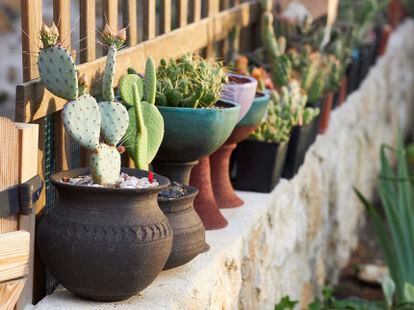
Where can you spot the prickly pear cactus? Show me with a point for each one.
(114, 122)
(105, 163)
(126, 88)
(82, 120)
(146, 124)
(56, 65)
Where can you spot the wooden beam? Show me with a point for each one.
(110, 13)
(28, 137)
(130, 21)
(14, 255)
(34, 102)
(182, 13)
(196, 10)
(165, 16)
(149, 19)
(87, 30)
(10, 292)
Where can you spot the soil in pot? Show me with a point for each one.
(105, 244)
(177, 203)
(259, 165)
(297, 148)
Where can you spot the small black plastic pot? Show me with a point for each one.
(188, 230)
(259, 165)
(368, 56)
(353, 71)
(298, 145)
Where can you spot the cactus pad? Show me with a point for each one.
(58, 72)
(155, 126)
(114, 121)
(105, 164)
(150, 81)
(82, 121)
(126, 86)
(108, 75)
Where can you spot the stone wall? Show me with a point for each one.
(296, 239)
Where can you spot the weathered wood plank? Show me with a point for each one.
(10, 292)
(130, 21)
(165, 23)
(9, 166)
(87, 30)
(14, 255)
(182, 13)
(28, 138)
(34, 102)
(149, 19)
(110, 13)
(196, 15)
(31, 19)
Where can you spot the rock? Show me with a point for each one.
(372, 274)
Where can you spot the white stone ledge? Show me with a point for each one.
(294, 240)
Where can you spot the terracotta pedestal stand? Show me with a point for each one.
(205, 203)
(220, 168)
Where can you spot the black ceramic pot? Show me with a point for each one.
(259, 165)
(298, 145)
(188, 230)
(105, 244)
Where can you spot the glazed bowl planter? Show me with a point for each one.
(105, 244)
(220, 160)
(191, 134)
(188, 230)
(297, 147)
(259, 165)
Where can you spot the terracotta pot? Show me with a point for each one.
(105, 244)
(326, 113)
(259, 165)
(205, 203)
(315, 123)
(343, 91)
(188, 230)
(395, 12)
(220, 160)
(383, 43)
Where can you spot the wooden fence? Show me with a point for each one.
(157, 28)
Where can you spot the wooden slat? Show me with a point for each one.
(212, 9)
(110, 13)
(10, 292)
(87, 30)
(130, 21)
(28, 139)
(31, 19)
(34, 102)
(165, 16)
(61, 16)
(149, 19)
(9, 166)
(182, 10)
(14, 255)
(196, 10)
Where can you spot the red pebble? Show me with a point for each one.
(150, 177)
(121, 149)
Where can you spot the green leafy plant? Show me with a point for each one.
(190, 81)
(409, 6)
(396, 231)
(286, 304)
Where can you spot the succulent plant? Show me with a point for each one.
(146, 124)
(98, 127)
(189, 81)
(286, 110)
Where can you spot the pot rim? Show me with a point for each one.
(56, 180)
(231, 105)
(192, 192)
(247, 83)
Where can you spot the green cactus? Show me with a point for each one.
(56, 65)
(190, 81)
(146, 124)
(86, 121)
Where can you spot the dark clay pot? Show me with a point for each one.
(105, 244)
(297, 147)
(259, 165)
(188, 230)
(340, 95)
(179, 172)
(326, 113)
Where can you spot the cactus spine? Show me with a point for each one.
(98, 127)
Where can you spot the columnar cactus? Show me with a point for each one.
(146, 124)
(98, 127)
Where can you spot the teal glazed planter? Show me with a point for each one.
(257, 110)
(191, 134)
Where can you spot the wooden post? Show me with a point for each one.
(130, 21)
(165, 16)
(182, 13)
(149, 19)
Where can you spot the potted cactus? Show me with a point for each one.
(197, 123)
(106, 239)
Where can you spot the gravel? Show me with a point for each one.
(124, 181)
